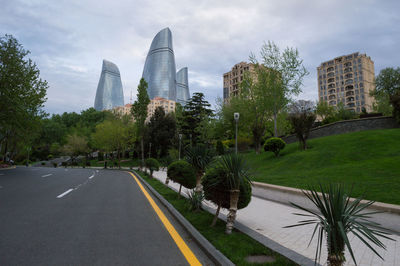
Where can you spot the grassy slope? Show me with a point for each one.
(368, 159)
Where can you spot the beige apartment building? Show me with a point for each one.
(122, 110)
(347, 79)
(167, 105)
(233, 78)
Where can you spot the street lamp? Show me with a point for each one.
(180, 138)
(236, 117)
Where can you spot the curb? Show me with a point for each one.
(8, 168)
(216, 256)
(380, 206)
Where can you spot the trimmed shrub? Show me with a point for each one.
(275, 145)
(55, 165)
(153, 165)
(216, 189)
(220, 148)
(43, 163)
(49, 157)
(64, 164)
(182, 172)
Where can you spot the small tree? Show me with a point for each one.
(302, 119)
(336, 218)
(199, 157)
(275, 145)
(182, 173)
(236, 172)
(216, 189)
(388, 86)
(153, 165)
(324, 110)
(220, 148)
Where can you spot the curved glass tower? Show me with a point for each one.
(159, 69)
(182, 86)
(109, 92)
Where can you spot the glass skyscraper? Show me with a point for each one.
(109, 92)
(182, 86)
(159, 69)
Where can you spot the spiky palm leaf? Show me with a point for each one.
(199, 157)
(337, 217)
(236, 169)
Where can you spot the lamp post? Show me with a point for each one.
(236, 117)
(180, 138)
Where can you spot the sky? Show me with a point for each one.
(69, 39)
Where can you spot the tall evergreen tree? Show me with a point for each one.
(162, 129)
(196, 111)
(139, 112)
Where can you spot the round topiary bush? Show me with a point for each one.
(182, 173)
(275, 145)
(216, 189)
(153, 165)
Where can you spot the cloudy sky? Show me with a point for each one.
(69, 39)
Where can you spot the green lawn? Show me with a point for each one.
(369, 160)
(236, 246)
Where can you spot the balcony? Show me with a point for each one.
(332, 85)
(332, 97)
(332, 102)
(350, 105)
(349, 93)
(331, 91)
(349, 87)
(349, 81)
(347, 64)
(350, 99)
(348, 69)
(330, 69)
(331, 80)
(330, 74)
(348, 76)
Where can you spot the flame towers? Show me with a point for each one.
(109, 92)
(182, 86)
(160, 70)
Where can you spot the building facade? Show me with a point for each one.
(233, 78)
(109, 92)
(182, 86)
(159, 69)
(122, 110)
(347, 79)
(167, 105)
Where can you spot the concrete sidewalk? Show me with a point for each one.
(268, 218)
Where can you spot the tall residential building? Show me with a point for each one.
(347, 79)
(122, 110)
(182, 86)
(167, 105)
(233, 78)
(159, 69)
(109, 92)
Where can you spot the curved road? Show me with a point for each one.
(57, 216)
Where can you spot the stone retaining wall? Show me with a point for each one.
(347, 126)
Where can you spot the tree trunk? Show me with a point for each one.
(230, 219)
(167, 180)
(142, 148)
(275, 125)
(335, 258)
(199, 187)
(216, 216)
(180, 188)
(119, 160)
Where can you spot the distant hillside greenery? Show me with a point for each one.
(369, 160)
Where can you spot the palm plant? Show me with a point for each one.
(337, 217)
(237, 173)
(199, 157)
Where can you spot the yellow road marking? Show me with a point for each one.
(190, 257)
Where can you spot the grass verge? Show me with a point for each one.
(236, 246)
(369, 160)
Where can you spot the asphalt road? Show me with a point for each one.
(57, 216)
